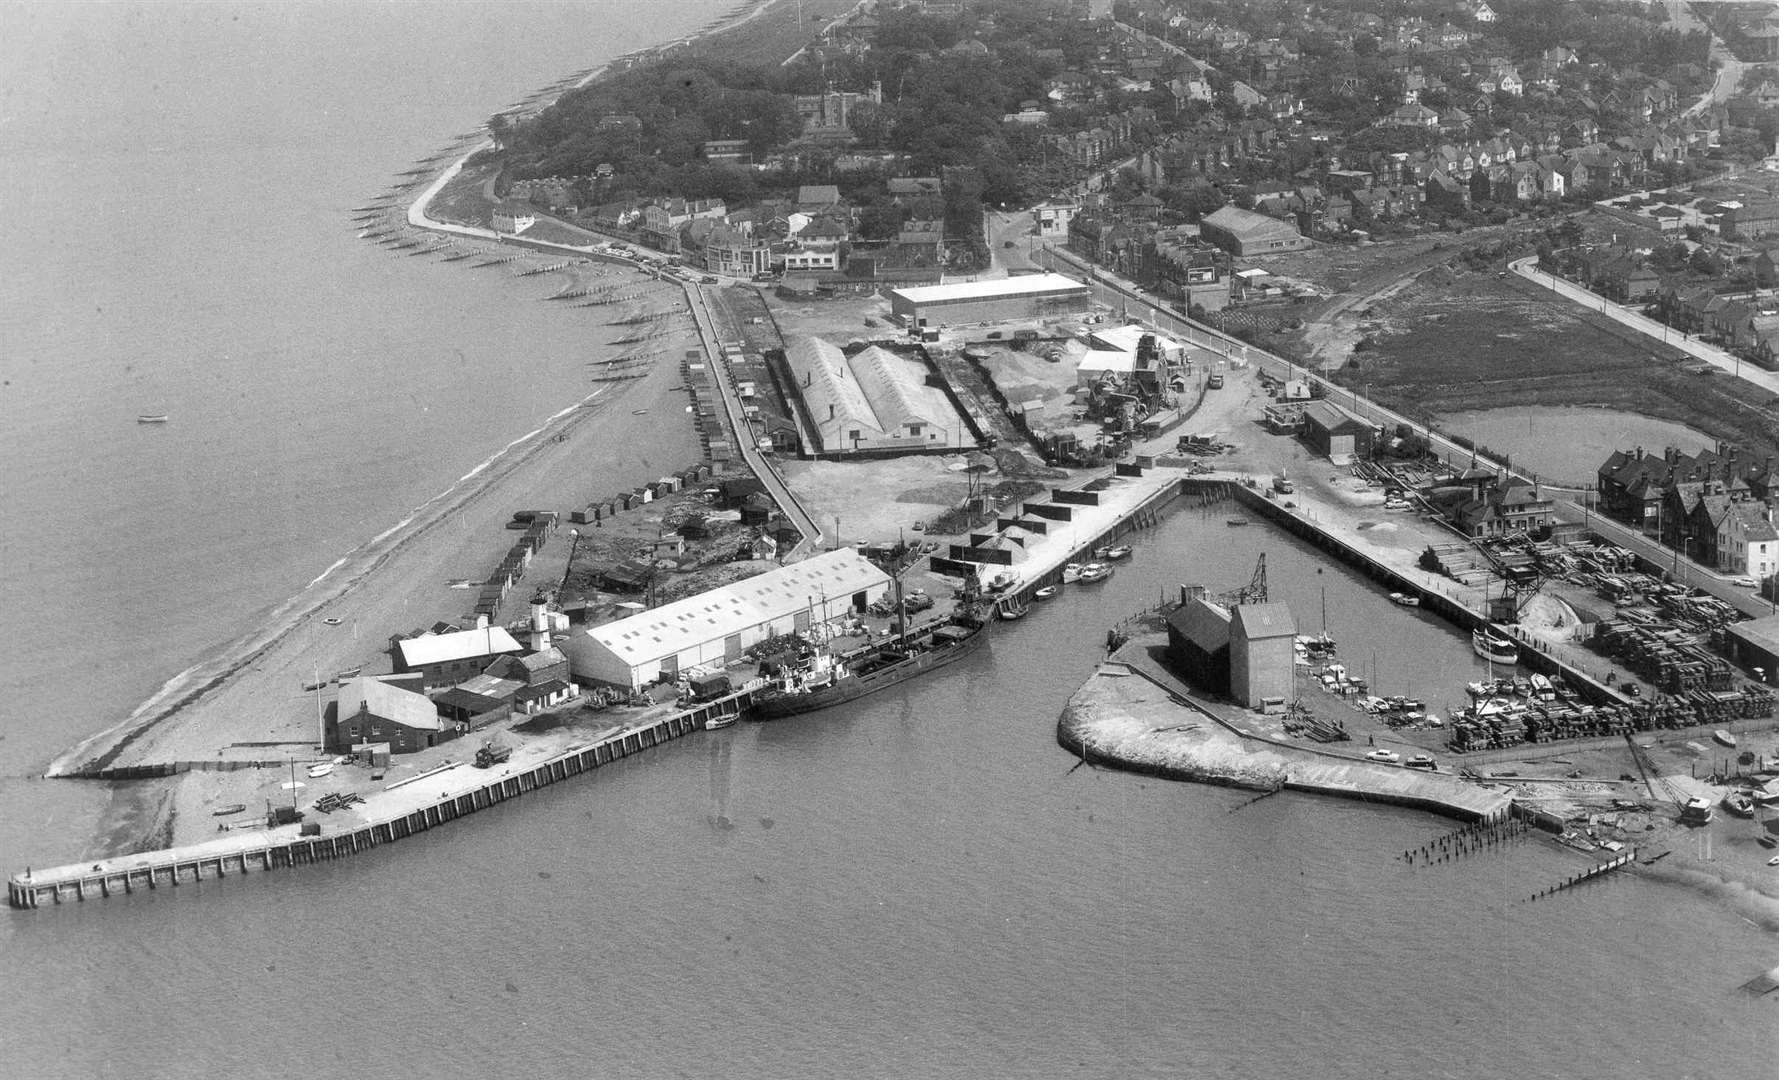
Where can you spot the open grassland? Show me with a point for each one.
(1458, 341)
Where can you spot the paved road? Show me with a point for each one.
(744, 442)
(1114, 290)
(1643, 324)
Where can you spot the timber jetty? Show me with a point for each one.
(402, 809)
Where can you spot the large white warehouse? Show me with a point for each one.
(716, 627)
(1036, 296)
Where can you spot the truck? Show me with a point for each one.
(492, 754)
(1215, 382)
(1282, 485)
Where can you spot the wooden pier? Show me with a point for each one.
(285, 846)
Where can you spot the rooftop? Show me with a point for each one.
(731, 608)
(461, 645)
(388, 702)
(992, 289)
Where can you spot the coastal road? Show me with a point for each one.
(744, 440)
(707, 332)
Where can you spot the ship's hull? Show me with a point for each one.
(1495, 648)
(854, 687)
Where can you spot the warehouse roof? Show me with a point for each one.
(461, 645)
(1203, 623)
(1249, 227)
(1762, 633)
(1126, 339)
(388, 702)
(993, 289)
(824, 379)
(874, 389)
(735, 607)
(1258, 621)
(1331, 417)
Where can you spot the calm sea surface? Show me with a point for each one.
(917, 886)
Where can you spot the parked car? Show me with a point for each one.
(1388, 757)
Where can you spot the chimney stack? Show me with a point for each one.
(540, 624)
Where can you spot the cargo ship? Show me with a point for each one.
(822, 679)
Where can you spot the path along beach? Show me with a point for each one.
(248, 699)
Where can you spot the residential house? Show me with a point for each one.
(1413, 116)
(728, 250)
(1747, 542)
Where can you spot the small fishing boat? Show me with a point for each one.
(330, 621)
(152, 418)
(1112, 553)
(1045, 593)
(225, 811)
(320, 769)
(1724, 738)
(717, 722)
(1405, 599)
(1236, 521)
(1774, 861)
(1010, 609)
(1095, 572)
(1767, 841)
(1071, 573)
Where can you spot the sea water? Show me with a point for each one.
(919, 884)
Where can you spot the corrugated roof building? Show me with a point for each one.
(447, 659)
(1243, 232)
(716, 627)
(871, 401)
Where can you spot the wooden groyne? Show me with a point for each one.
(286, 846)
(1624, 859)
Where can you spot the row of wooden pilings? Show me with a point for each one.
(177, 866)
(1471, 839)
(1625, 859)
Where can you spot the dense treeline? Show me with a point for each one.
(942, 107)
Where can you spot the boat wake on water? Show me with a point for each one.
(99, 751)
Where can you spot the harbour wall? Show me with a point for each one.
(1146, 514)
(222, 858)
(1532, 652)
(1303, 768)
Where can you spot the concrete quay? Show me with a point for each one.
(1131, 714)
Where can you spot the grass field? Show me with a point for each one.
(1459, 341)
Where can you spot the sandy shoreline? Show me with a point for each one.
(246, 702)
